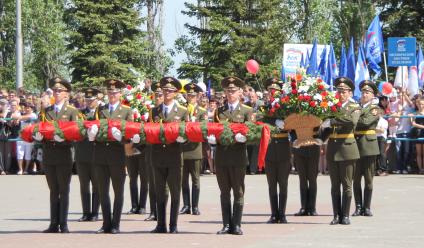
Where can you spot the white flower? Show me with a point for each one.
(146, 115)
(303, 88)
(274, 102)
(130, 97)
(317, 97)
(148, 102)
(330, 103)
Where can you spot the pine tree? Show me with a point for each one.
(105, 40)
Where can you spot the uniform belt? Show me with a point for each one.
(280, 135)
(342, 136)
(365, 132)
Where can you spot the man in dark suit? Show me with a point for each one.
(57, 156)
(109, 158)
(231, 160)
(84, 160)
(167, 159)
(192, 154)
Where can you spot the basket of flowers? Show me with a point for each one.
(303, 102)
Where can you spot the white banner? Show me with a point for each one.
(292, 56)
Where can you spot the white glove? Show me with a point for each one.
(57, 138)
(211, 139)
(135, 139)
(181, 139)
(240, 138)
(38, 136)
(279, 123)
(326, 123)
(116, 133)
(92, 132)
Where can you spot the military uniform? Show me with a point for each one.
(137, 167)
(342, 153)
(306, 159)
(109, 164)
(57, 162)
(167, 161)
(193, 155)
(278, 166)
(84, 151)
(366, 139)
(231, 162)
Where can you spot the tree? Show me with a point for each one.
(230, 33)
(105, 40)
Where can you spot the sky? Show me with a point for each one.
(173, 27)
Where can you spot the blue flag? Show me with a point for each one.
(283, 74)
(343, 63)
(313, 61)
(374, 45)
(323, 62)
(332, 71)
(307, 59)
(208, 91)
(351, 64)
(420, 67)
(361, 72)
(302, 62)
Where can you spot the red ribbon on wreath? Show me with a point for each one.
(89, 124)
(70, 130)
(193, 132)
(215, 129)
(111, 124)
(263, 144)
(172, 130)
(46, 129)
(239, 128)
(27, 133)
(131, 129)
(152, 131)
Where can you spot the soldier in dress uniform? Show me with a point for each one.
(167, 159)
(368, 147)
(57, 156)
(231, 160)
(109, 158)
(193, 154)
(277, 163)
(84, 151)
(342, 150)
(158, 95)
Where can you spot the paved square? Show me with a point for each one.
(398, 206)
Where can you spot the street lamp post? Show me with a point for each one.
(19, 49)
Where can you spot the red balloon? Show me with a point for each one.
(252, 66)
(387, 88)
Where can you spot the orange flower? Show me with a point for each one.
(298, 77)
(324, 104)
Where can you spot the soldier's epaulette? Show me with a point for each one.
(181, 107)
(245, 106)
(71, 106)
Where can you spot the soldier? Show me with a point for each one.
(158, 94)
(84, 160)
(368, 147)
(137, 167)
(277, 162)
(167, 159)
(109, 158)
(193, 154)
(231, 160)
(57, 156)
(342, 151)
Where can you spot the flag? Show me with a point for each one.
(374, 45)
(283, 74)
(350, 63)
(412, 87)
(401, 78)
(302, 62)
(343, 64)
(208, 91)
(307, 59)
(332, 71)
(323, 62)
(420, 67)
(361, 72)
(312, 67)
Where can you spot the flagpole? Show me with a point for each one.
(385, 66)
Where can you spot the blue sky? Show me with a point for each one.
(173, 27)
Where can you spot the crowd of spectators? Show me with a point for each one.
(400, 118)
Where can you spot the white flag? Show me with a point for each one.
(399, 81)
(413, 87)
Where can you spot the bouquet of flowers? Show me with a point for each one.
(138, 101)
(303, 102)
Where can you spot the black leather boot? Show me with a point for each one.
(357, 193)
(303, 200)
(94, 207)
(195, 193)
(86, 207)
(186, 200)
(236, 220)
(367, 202)
(337, 209)
(161, 219)
(311, 202)
(54, 218)
(173, 220)
(345, 209)
(63, 213)
(226, 217)
(274, 209)
(134, 200)
(282, 208)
